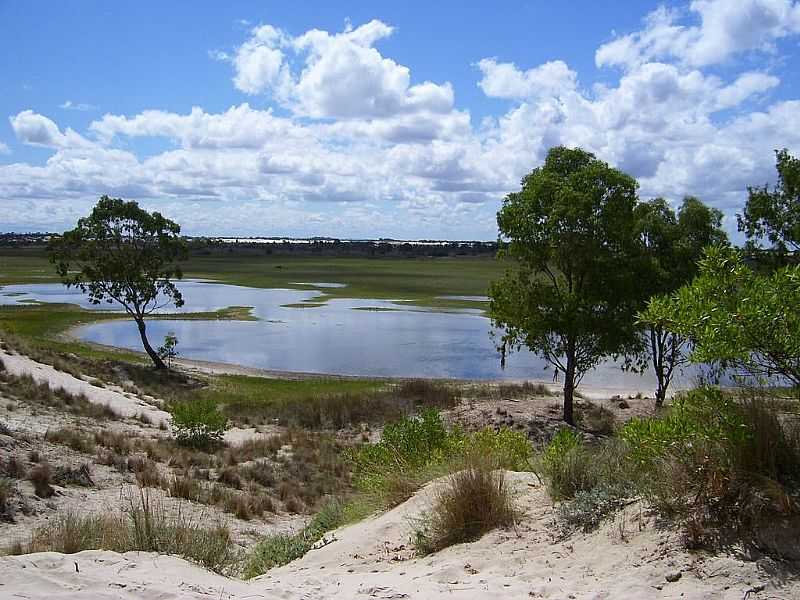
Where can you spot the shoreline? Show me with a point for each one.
(208, 367)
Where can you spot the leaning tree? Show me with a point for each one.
(570, 294)
(122, 253)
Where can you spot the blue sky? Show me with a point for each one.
(375, 119)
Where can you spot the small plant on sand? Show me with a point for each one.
(471, 502)
(168, 350)
(198, 423)
(7, 489)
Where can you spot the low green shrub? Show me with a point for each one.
(280, 549)
(590, 507)
(198, 423)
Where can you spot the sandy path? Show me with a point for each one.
(626, 558)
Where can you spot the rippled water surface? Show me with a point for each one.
(395, 340)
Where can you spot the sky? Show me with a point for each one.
(382, 119)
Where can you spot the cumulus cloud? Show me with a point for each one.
(334, 75)
(726, 28)
(353, 145)
(505, 80)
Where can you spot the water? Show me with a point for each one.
(396, 340)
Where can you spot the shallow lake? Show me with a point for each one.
(340, 337)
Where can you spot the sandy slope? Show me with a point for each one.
(627, 558)
(125, 405)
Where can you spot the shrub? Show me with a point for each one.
(589, 508)
(598, 419)
(7, 489)
(41, 476)
(198, 423)
(280, 549)
(508, 449)
(718, 463)
(472, 502)
(13, 468)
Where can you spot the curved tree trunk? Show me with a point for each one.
(157, 362)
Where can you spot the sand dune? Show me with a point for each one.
(628, 557)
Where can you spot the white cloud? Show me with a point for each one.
(81, 106)
(337, 76)
(4, 149)
(727, 27)
(363, 149)
(505, 80)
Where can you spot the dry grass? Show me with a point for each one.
(42, 476)
(25, 388)
(7, 490)
(473, 502)
(143, 526)
(597, 419)
(341, 410)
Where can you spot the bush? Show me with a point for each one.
(7, 489)
(471, 503)
(198, 423)
(590, 507)
(718, 463)
(281, 549)
(41, 476)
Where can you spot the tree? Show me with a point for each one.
(570, 296)
(737, 317)
(774, 214)
(121, 253)
(672, 246)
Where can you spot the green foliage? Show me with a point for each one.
(198, 423)
(774, 215)
(737, 317)
(281, 549)
(507, 448)
(570, 297)
(121, 253)
(415, 450)
(590, 507)
(704, 415)
(168, 351)
(672, 246)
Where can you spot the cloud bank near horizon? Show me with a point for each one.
(349, 143)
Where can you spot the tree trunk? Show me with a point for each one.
(657, 343)
(157, 362)
(569, 385)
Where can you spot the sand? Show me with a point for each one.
(628, 557)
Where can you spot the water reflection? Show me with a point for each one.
(332, 338)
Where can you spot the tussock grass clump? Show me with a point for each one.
(472, 502)
(41, 476)
(597, 419)
(7, 490)
(144, 526)
(504, 391)
(72, 438)
(13, 467)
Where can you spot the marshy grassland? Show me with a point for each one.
(421, 281)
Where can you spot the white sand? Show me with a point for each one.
(122, 404)
(627, 558)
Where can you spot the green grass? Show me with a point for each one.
(233, 388)
(418, 280)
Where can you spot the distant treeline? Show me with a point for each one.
(355, 248)
(202, 246)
